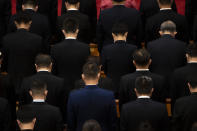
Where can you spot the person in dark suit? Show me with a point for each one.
(104, 82)
(70, 54)
(26, 119)
(166, 13)
(144, 109)
(167, 53)
(5, 12)
(5, 115)
(40, 23)
(194, 29)
(91, 102)
(149, 8)
(91, 125)
(119, 13)
(72, 7)
(117, 56)
(142, 61)
(48, 117)
(179, 80)
(20, 49)
(185, 108)
(55, 85)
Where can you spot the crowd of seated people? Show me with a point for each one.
(50, 80)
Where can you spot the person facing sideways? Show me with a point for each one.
(91, 102)
(104, 82)
(72, 7)
(91, 125)
(70, 55)
(48, 117)
(142, 61)
(144, 109)
(26, 119)
(18, 55)
(166, 13)
(167, 53)
(185, 108)
(119, 14)
(117, 56)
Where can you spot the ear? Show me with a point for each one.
(36, 9)
(134, 63)
(34, 121)
(63, 31)
(152, 90)
(161, 33)
(175, 33)
(150, 61)
(15, 23)
(113, 35)
(30, 23)
(46, 92)
(23, 7)
(126, 34)
(19, 123)
(82, 76)
(78, 5)
(99, 75)
(135, 90)
(30, 92)
(77, 31)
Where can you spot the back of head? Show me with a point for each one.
(165, 2)
(43, 60)
(168, 26)
(145, 126)
(91, 125)
(72, 2)
(30, 3)
(141, 57)
(25, 114)
(91, 71)
(70, 25)
(94, 59)
(192, 50)
(38, 88)
(23, 18)
(192, 80)
(120, 28)
(144, 85)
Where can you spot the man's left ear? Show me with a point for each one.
(36, 9)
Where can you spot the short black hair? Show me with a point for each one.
(94, 59)
(43, 60)
(141, 57)
(144, 84)
(120, 28)
(23, 17)
(165, 2)
(33, 3)
(192, 80)
(38, 87)
(72, 2)
(91, 70)
(192, 50)
(91, 125)
(70, 25)
(168, 26)
(25, 114)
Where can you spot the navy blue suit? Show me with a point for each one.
(91, 102)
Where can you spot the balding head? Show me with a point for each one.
(168, 27)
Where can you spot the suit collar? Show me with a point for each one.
(44, 72)
(143, 99)
(167, 36)
(119, 6)
(91, 87)
(22, 30)
(120, 42)
(39, 103)
(29, 11)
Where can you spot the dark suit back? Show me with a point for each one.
(185, 113)
(20, 49)
(119, 13)
(153, 25)
(127, 85)
(48, 118)
(84, 25)
(117, 61)
(69, 57)
(167, 54)
(144, 110)
(91, 103)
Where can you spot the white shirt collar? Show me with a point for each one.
(39, 100)
(72, 9)
(192, 62)
(72, 38)
(43, 70)
(143, 97)
(165, 8)
(142, 69)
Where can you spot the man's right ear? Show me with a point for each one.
(30, 92)
(19, 123)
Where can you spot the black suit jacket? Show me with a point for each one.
(185, 113)
(179, 80)
(84, 25)
(119, 13)
(39, 26)
(144, 110)
(5, 117)
(20, 49)
(167, 54)
(5, 12)
(153, 25)
(48, 118)
(69, 57)
(127, 85)
(149, 8)
(117, 61)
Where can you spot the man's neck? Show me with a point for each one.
(23, 27)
